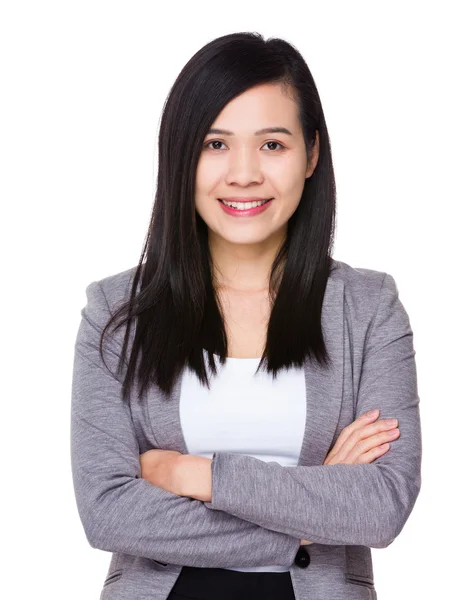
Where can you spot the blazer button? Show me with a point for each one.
(302, 559)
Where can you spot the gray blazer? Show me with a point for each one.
(260, 510)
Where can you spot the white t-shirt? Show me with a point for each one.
(233, 415)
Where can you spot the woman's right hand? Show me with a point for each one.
(362, 442)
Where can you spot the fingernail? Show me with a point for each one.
(372, 413)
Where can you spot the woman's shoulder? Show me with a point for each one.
(356, 276)
(116, 287)
(361, 284)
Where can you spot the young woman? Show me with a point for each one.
(223, 442)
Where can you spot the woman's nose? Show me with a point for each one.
(243, 168)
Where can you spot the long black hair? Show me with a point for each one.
(178, 316)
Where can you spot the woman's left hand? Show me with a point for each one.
(159, 468)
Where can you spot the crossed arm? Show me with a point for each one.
(181, 474)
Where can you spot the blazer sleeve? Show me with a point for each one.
(360, 504)
(119, 510)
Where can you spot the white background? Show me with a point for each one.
(83, 85)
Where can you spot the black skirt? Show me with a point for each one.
(196, 583)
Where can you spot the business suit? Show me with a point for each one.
(260, 510)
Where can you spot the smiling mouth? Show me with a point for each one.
(249, 202)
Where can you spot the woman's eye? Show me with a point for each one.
(213, 142)
(209, 145)
(277, 144)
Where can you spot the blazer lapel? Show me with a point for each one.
(165, 419)
(324, 386)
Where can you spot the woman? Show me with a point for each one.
(222, 439)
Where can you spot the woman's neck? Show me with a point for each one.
(242, 271)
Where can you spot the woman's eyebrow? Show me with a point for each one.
(259, 132)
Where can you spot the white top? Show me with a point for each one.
(233, 415)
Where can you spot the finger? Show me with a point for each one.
(365, 438)
(373, 454)
(360, 429)
(366, 444)
(364, 458)
(347, 431)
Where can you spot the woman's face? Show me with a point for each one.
(242, 162)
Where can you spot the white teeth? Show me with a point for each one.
(244, 205)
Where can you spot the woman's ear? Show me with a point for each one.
(312, 163)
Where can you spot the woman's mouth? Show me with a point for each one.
(245, 209)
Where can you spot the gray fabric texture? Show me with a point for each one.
(259, 510)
